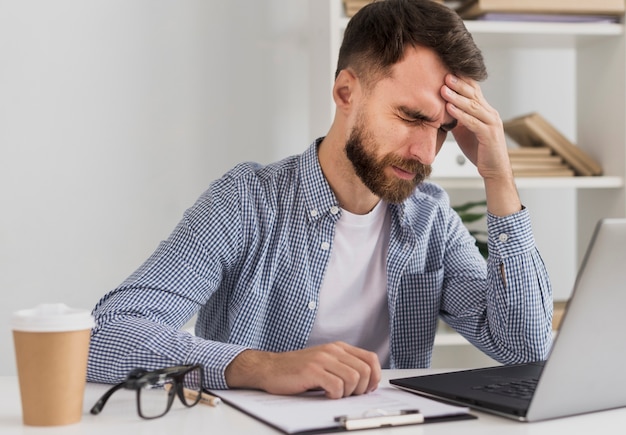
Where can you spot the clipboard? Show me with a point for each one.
(313, 413)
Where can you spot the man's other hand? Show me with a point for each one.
(338, 368)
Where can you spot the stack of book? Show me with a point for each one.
(538, 162)
(540, 10)
(353, 6)
(544, 151)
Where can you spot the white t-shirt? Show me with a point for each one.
(353, 298)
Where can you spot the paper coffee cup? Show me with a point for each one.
(51, 348)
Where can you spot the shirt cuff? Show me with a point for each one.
(510, 235)
(215, 357)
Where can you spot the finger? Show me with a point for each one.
(372, 366)
(465, 98)
(358, 369)
(468, 88)
(466, 121)
(355, 375)
(335, 377)
(462, 108)
(344, 374)
(343, 381)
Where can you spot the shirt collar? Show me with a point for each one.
(319, 198)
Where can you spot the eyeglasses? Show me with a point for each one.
(156, 389)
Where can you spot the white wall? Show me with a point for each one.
(115, 115)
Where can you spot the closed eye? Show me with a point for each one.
(417, 118)
(413, 121)
(412, 116)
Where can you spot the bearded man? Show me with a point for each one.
(319, 270)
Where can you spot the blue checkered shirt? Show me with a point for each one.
(249, 259)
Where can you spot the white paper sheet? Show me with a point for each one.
(313, 410)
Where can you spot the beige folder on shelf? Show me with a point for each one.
(476, 8)
(352, 6)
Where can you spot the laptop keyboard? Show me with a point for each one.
(519, 388)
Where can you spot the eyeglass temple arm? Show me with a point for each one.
(97, 408)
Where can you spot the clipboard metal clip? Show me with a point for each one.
(380, 418)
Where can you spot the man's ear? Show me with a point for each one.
(345, 89)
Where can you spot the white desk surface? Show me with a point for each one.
(119, 417)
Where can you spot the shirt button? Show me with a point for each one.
(312, 305)
(503, 237)
(313, 213)
(325, 246)
(334, 209)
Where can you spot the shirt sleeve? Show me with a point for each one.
(139, 323)
(508, 316)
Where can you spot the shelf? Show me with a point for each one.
(540, 35)
(533, 34)
(604, 182)
(542, 28)
(529, 27)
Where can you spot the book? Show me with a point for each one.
(540, 165)
(476, 8)
(551, 161)
(543, 172)
(532, 130)
(352, 6)
(548, 18)
(545, 158)
(529, 152)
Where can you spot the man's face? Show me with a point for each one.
(372, 170)
(399, 125)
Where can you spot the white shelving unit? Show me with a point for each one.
(574, 74)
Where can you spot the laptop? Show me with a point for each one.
(586, 368)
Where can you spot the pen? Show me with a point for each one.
(205, 398)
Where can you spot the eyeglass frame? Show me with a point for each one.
(139, 378)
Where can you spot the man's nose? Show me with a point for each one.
(423, 145)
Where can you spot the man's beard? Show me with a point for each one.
(372, 172)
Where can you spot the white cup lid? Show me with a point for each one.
(51, 318)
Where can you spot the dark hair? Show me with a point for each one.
(379, 33)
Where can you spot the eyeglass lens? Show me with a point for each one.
(155, 398)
